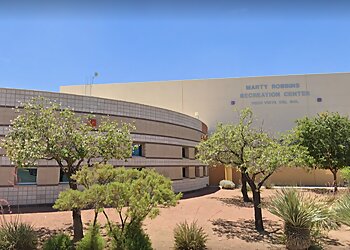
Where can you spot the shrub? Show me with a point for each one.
(269, 185)
(17, 235)
(342, 209)
(345, 174)
(133, 237)
(59, 242)
(226, 184)
(189, 237)
(92, 239)
(302, 215)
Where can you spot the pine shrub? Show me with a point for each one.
(133, 237)
(92, 240)
(59, 242)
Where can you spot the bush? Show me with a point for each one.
(132, 238)
(269, 185)
(303, 216)
(17, 235)
(345, 174)
(226, 184)
(59, 242)
(189, 237)
(92, 240)
(342, 209)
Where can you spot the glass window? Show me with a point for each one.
(63, 177)
(26, 175)
(137, 150)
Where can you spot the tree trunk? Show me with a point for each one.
(244, 188)
(77, 221)
(259, 226)
(335, 182)
(77, 225)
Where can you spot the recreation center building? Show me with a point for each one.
(171, 118)
(277, 101)
(165, 141)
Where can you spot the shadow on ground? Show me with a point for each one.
(244, 229)
(30, 209)
(237, 201)
(201, 192)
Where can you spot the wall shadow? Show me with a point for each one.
(201, 192)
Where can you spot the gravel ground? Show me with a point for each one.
(225, 218)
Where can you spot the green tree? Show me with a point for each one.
(227, 146)
(134, 194)
(254, 152)
(45, 130)
(327, 138)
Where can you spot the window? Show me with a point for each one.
(185, 152)
(63, 177)
(137, 150)
(185, 172)
(205, 171)
(26, 175)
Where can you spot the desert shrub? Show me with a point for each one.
(189, 237)
(303, 216)
(92, 239)
(269, 185)
(345, 174)
(132, 237)
(226, 184)
(59, 242)
(342, 209)
(17, 235)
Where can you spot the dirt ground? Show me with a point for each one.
(228, 222)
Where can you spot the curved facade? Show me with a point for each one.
(277, 101)
(166, 140)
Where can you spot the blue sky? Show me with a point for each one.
(45, 46)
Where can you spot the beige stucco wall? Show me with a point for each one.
(7, 176)
(162, 151)
(174, 173)
(191, 154)
(192, 172)
(211, 99)
(48, 176)
(300, 176)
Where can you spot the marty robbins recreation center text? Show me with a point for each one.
(287, 93)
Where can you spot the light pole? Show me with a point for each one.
(92, 81)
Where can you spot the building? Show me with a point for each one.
(166, 142)
(277, 101)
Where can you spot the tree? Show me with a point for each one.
(227, 146)
(45, 130)
(264, 157)
(134, 194)
(327, 138)
(254, 152)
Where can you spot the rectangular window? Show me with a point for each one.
(63, 177)
(185, 172)
(137, 150)
(26, 175)
(185, 152)
(205, 171)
